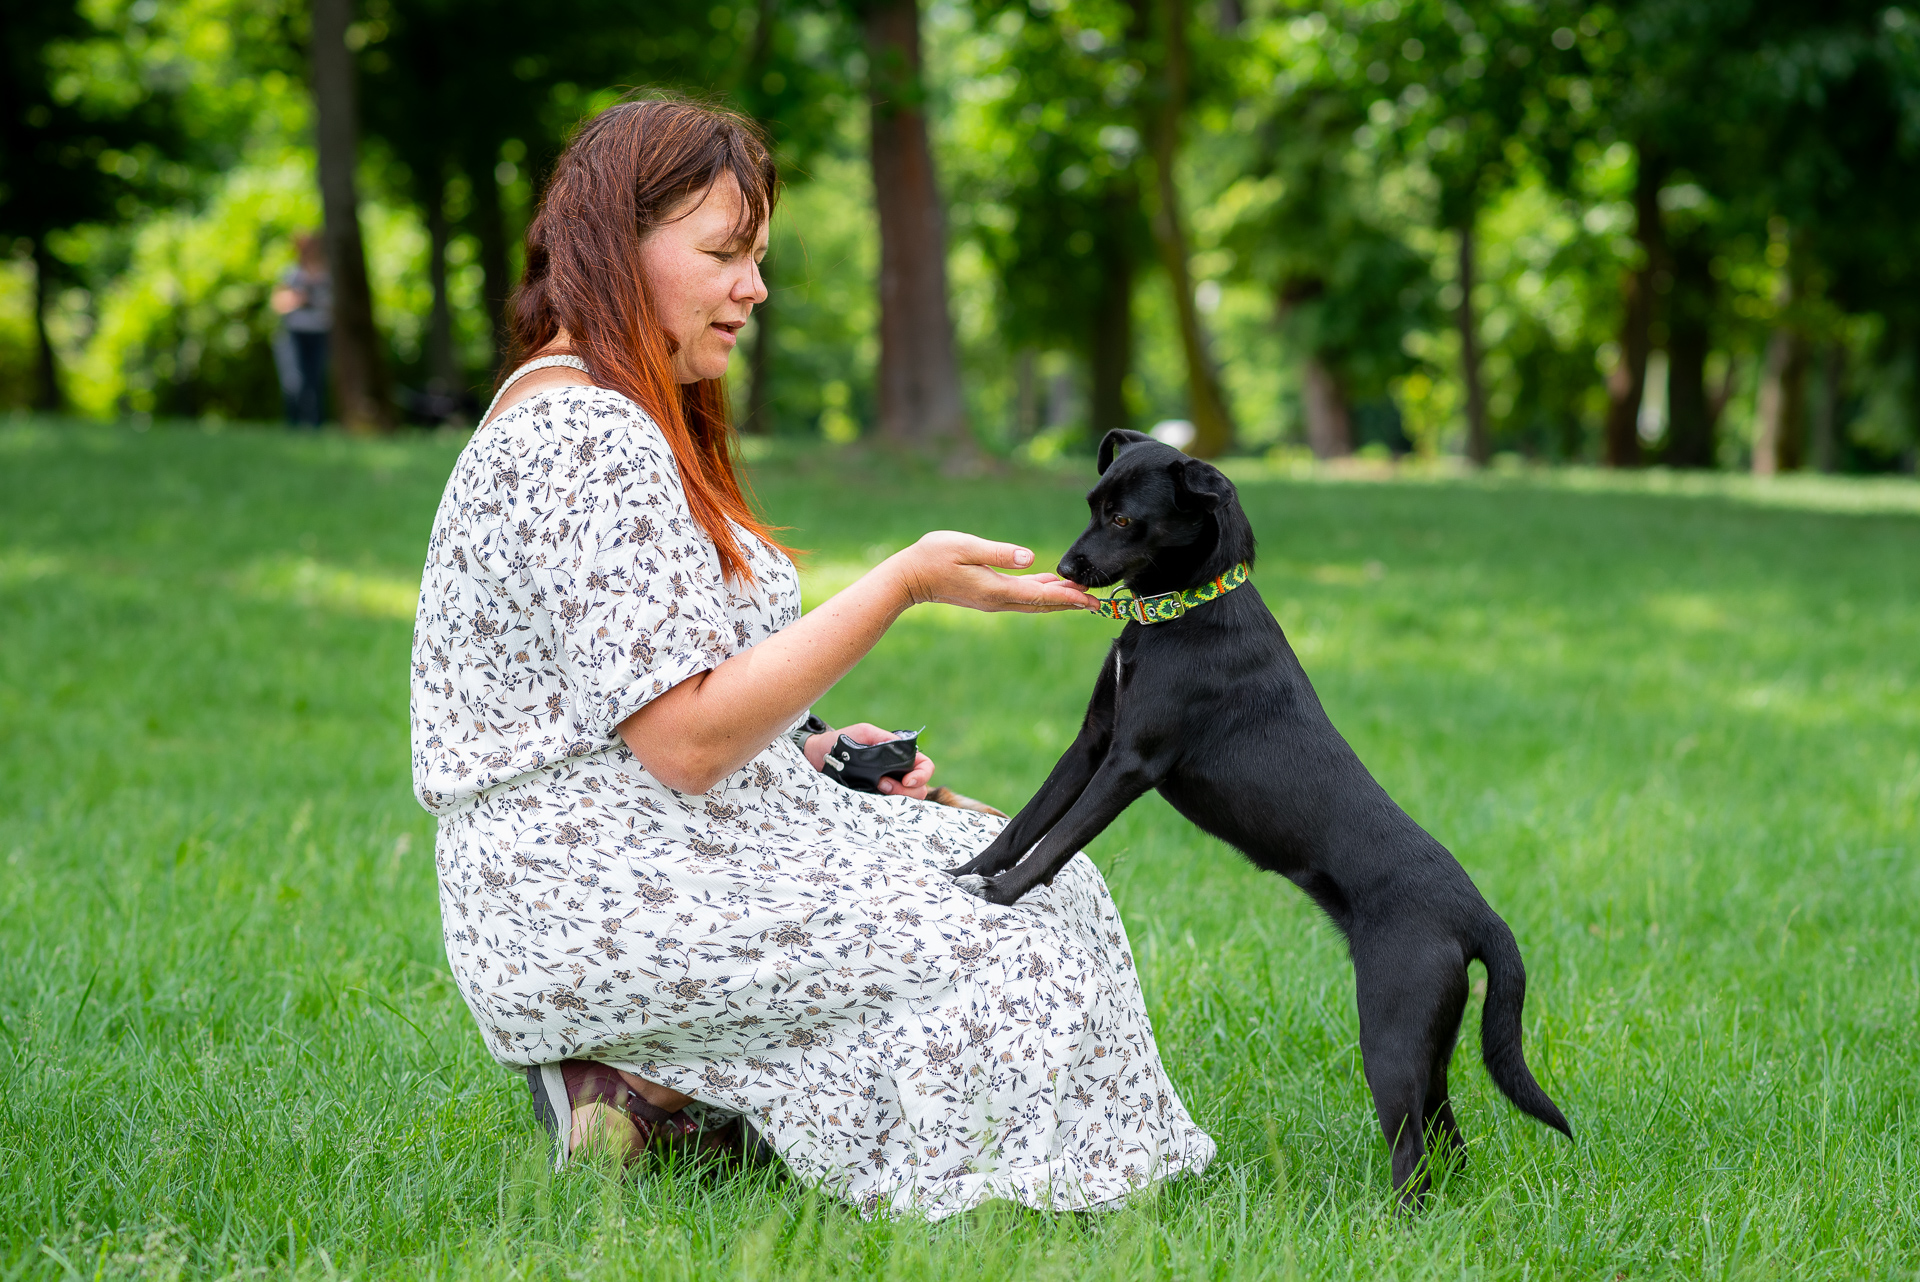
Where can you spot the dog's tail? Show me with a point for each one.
(1500, 1023)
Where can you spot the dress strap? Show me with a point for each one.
(545, 362)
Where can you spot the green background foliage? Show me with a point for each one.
(1331, 154)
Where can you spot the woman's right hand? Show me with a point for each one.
(960, 569)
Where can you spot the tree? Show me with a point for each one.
(920, 400)
(364, 400)
(443, 61)
(414, 67)
(1807, 118)
(1346, 287)
(446, 94)
(1467, 85)
(71, 152)
(1083, 155)
(1060, 154)
(1627, 382)
(1831, 89)
(761, 86)
(1691, 414)
(1650, 64)
(787, 85)
(1162, 29)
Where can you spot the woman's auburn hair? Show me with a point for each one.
(626, 173)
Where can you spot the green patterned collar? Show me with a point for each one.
(1170, 605)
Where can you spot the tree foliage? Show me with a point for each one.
(85, 137)
(1646, 230)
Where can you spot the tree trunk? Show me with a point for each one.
(1063, 401)
(1776, 436)
(758, 420)
(1329, 425)
(362, 393)
(920, 401)
(46, 383)
(1826, 421)
(1112, 320)
(748, 78)
(489, 224)
(1690, 415)
(1723, 395)
(1026, 394)
(1207, 404)
(443, 371)
(1479, 439)
(1629, 377)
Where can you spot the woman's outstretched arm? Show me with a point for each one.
(714, 722)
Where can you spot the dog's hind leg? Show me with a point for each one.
(1063, 787)
(1409, 1015)
(1396, 1076)
(1443, 1132)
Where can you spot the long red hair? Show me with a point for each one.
(625, 173)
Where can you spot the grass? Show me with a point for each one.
(1675, 737)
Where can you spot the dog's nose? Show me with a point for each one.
(1070, 567)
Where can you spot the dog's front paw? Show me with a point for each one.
(998, 891)
(974, 884)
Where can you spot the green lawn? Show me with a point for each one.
(1675, 738)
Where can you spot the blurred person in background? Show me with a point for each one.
(303, 297)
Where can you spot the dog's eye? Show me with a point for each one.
(1123, 521)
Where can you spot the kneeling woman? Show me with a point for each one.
(653, 900)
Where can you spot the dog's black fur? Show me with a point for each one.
(1214, 710)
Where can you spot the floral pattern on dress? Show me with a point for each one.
(780, 947)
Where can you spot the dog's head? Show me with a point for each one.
(1151, 508)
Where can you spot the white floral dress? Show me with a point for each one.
(781, 947)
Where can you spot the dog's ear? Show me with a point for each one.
(1199, 485)
(1115, 441)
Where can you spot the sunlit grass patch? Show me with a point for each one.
(305, 581)
(19, 565)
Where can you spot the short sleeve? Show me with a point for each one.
(610, 551)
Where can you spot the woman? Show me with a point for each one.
(653, 900)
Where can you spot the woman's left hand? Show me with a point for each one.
(914, 785)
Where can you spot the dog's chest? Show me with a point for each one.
(1119, 681)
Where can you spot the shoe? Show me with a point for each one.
(615, 1114)
(725, 1135)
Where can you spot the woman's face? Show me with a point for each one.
(704, 282)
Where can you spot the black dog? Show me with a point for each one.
(1212, 708)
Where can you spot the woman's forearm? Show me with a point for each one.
(714, 722)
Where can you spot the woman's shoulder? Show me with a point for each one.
(574, 425)
(570, 408)
(574, 453)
